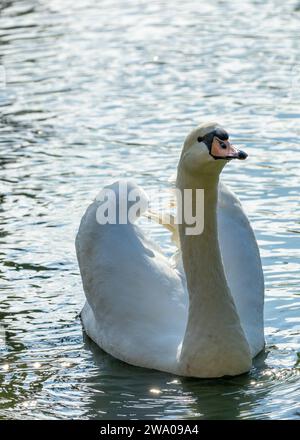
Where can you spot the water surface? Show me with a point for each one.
(91, 91)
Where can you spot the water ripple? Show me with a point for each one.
(80, 101)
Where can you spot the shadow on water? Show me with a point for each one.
(163, 394)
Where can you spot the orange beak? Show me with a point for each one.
(225, 150)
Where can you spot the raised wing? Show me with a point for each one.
(133, 308)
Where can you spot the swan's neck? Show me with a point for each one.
(214, 343)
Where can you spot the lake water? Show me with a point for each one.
(92, 91)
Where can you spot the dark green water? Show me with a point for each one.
(94, 90)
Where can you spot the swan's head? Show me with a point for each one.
(208, 148)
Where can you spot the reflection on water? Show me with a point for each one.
(113, 94)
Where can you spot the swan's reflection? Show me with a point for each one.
(118, 390)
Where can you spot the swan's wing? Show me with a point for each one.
(242, 265)
(133, 308)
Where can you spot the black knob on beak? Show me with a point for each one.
(242, 155)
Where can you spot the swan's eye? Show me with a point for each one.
(200, 139)
(223, 145)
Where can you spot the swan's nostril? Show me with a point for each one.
(242, 155)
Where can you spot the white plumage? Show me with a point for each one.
(143, 311)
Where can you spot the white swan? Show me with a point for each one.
(206, 321)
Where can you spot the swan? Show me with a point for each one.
(201, 318)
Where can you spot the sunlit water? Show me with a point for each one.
(97, 90)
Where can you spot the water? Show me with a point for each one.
(103, 90)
